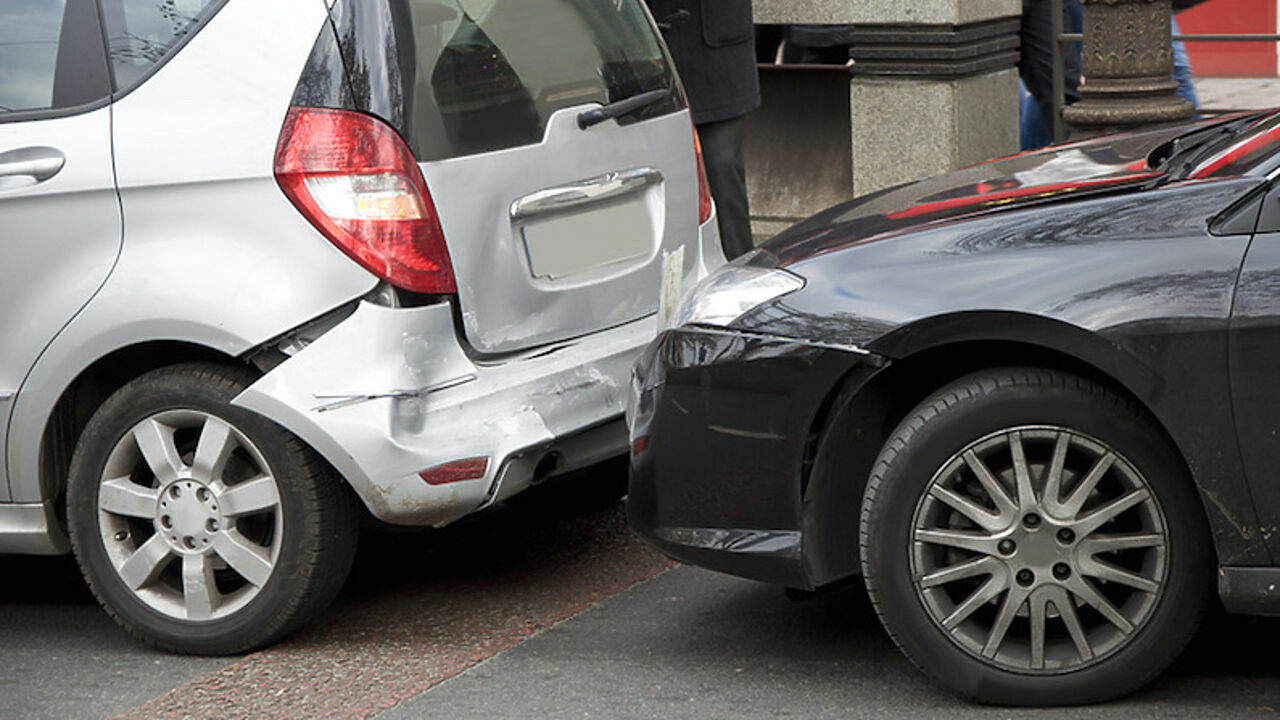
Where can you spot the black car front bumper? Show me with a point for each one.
(723, 427)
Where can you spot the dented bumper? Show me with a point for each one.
(721, 425)
(389, 393)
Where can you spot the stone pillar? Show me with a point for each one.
(933, 87)
(1128, 68)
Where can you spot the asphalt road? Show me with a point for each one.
(546, 613)
(694, 644)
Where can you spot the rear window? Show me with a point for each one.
(489, 73)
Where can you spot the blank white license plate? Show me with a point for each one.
(589, 239)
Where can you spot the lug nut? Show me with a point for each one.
(202, 495)
(1066, 537)
(175, 491)
(212, 525)
(1007, 547)
(1062, 571)
(166, 522)
(1031, 521)
(1026, 577)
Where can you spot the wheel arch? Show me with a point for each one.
(923, 358)
(90, 388)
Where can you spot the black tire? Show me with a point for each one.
(907, 530)
(300, 539)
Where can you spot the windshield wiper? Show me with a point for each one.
(1187, 150)
(619, 108)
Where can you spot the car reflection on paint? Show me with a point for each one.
(1032, 403)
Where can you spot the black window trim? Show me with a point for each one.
(29, 115)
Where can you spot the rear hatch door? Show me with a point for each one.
(555, 230)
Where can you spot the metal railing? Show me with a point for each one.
(1064, 38)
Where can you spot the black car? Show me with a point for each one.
(1034, 403)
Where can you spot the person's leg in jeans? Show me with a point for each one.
(727, 178)
(1182, 70)
(1032, 132)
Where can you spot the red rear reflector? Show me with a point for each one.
(471, 469)
(639, 445)
(357, 182)
(704, 189)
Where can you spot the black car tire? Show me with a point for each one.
(894, 537)
(296, 542)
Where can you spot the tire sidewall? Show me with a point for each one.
(939, 429)
(266, 614)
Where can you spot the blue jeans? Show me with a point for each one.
(1182, 70)
(1035, 133)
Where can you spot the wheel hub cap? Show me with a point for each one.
(1039, 549)
(187, 516)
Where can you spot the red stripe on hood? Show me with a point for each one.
(985, 201)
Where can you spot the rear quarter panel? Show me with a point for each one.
(213, 253)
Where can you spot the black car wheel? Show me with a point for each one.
(202, 527)
(1030, 538)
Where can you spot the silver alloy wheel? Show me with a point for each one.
(189, 513)
(1039, 550)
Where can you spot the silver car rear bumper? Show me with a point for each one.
(389, 393)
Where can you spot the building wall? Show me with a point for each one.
(1237, 59)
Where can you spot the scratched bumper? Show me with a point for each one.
(722, 422)
(389, 392)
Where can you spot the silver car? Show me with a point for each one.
(271, 264)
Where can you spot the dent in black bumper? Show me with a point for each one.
(721, 424)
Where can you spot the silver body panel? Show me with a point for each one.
(51, 269)
(31, 529)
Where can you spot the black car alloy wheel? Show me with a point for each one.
(1030, 538)
(200, 526)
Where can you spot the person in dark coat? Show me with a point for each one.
(712, 43)
(1035, 68)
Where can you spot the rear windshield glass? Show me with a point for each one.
(489, 73)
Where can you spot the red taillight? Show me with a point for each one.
(704, 190)
(354, 178)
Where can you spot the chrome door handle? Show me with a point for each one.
(39, 163)
(584, 192)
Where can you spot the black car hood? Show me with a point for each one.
(1115, 163)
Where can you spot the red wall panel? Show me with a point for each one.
(1237, 59)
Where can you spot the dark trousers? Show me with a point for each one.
(1036, 65)
(727, 177)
